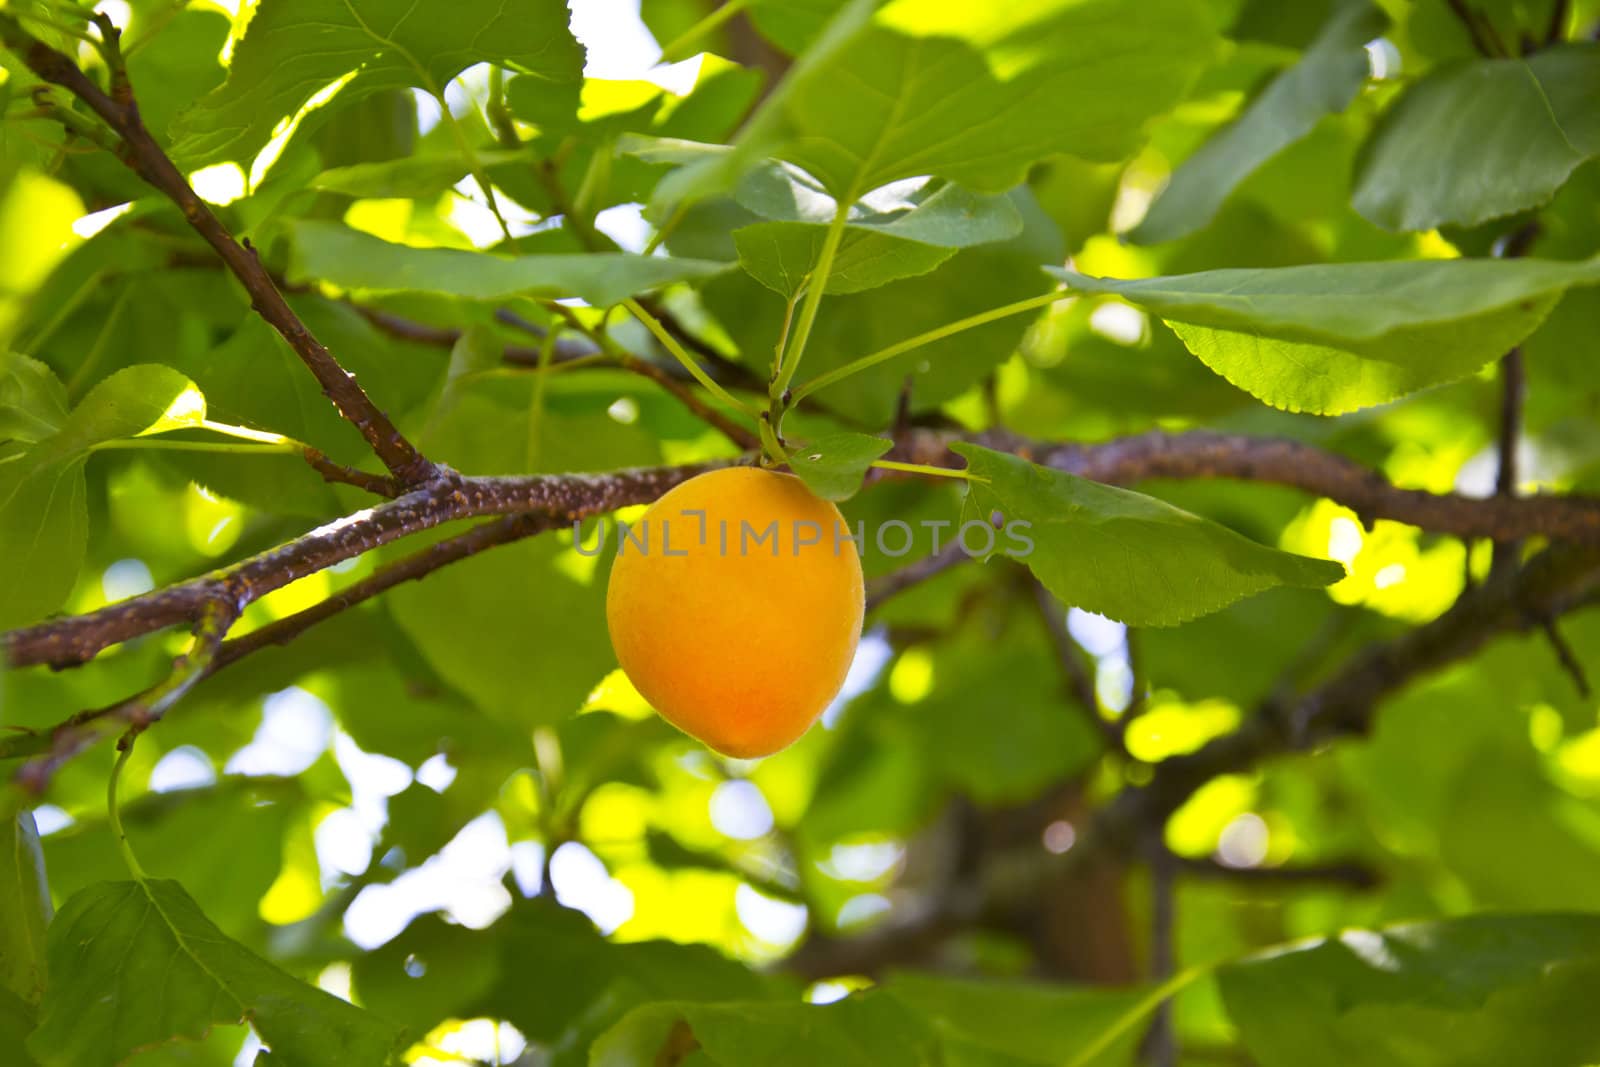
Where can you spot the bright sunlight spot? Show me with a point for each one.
(220, 183)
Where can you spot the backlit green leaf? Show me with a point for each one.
(294, 49)
(892, 238)
(352, 259)
(1330, 338)
(43, 510)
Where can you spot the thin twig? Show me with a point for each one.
(1161, 1040)
(383, 485)
(1513, 393)
(1348, 873)
(1483, 36)
(882, 589)
(141, 154)
(1566, 656)
(1069, 659)
(138, 713)
(211, 654)
(1556, 32)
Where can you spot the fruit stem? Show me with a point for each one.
(922, 468)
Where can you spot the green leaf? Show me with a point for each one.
(1030, 1021)
(253, 814)
(43, 508)
(33, 402)
(1470, 992)
(1477, 140)
(1120, 553)
(869, 1030)
(137, 964)
(16, 1023)
(1325, 80)
(833, 466)
(978, 93)
(407, 177)
(24, 908)
(1331, 338)
(974, 280)
(878, 246)
(351, 259)
(518, 632)
(294, 49)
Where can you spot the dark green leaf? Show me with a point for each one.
(871, 1030)
(293, 49)
(408, 176)
(832, 467)
(1120, 553)
(136, 964)
(351, 259)
(1471, 992)
(1325, 80)
(16, 1023)
(1330, 338)
(1477, 140)
(879, 246)
(1031, 1021)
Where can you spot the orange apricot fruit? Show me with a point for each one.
(735, 606)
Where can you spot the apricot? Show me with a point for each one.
(735, 606)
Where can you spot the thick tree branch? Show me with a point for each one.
(70, 641)
(56, 746)
(140, 152)
(1556, 581)
(1198, 454)
(1279, 461)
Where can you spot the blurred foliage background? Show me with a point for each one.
(446, 807)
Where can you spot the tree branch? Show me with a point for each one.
(1560, 11)
(1079, 681)
(1161, 1040)
(1478, 28)
(1348, 873)
(1203, 454)
(71, 641)
(896, 582)
(1197, 454)
(60, 744)
(141, 154)
(1554, 582)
